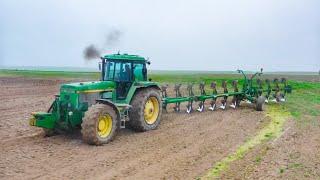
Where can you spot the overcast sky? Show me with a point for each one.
(187, 35)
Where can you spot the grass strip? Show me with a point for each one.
(278, 115)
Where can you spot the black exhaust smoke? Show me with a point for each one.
(91, 52)
(112, 39)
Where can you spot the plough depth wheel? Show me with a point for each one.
(260, 103)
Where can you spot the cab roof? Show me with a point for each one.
(124, 57)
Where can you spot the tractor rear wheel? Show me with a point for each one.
(146, 110)
(260, 103)
(99, 125)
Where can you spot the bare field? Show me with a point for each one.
(183, 147)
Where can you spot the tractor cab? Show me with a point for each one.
(124, 70)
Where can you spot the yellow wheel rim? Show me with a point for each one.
(151, 110)
(104, 125)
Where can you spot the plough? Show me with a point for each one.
(251, 93)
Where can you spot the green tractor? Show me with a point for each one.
(123, 97)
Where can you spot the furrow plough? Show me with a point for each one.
(252, 92)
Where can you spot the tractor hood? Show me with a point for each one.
(94, 86)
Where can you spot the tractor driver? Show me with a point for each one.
(126, 73)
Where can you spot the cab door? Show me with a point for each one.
(123, 78)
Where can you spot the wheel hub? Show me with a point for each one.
(151, 110)
(104, 125)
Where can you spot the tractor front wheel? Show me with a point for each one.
(146, 110)
(100, 124)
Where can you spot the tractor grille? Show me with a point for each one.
(90, 98)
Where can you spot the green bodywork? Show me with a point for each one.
(69, 107)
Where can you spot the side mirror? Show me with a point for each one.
(147, 61)
(100, 66)
(150, 79)
(261, 70)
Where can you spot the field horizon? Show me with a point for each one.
(153, 71)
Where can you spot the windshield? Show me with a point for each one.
(117, 71)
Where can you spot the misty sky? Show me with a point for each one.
(188, 35)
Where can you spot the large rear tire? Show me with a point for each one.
(260, 103)
(146, 110)
(100, 124)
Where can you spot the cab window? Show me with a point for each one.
(139, 72)
(118, 71)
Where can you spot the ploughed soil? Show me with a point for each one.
(294, 155)
(182, 147)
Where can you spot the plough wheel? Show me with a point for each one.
(238, 102)
(260, 103)
(146, 110)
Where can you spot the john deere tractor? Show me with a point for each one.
(123, 97)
